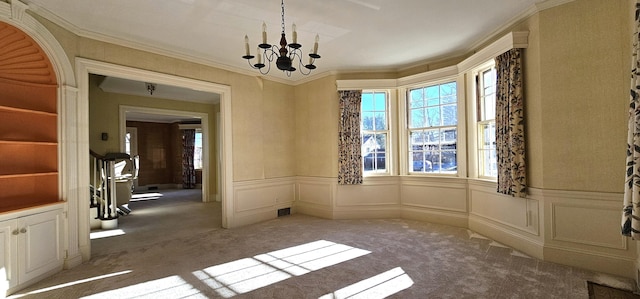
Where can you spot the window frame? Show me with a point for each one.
(481, 121)
(389, 157)
(459, 126)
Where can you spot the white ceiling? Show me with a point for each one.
(160, 91)
(355, 35)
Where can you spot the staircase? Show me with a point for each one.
(111, 186)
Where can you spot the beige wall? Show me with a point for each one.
(576, 84)
(584, 80)
(254, 101)
(316, 114)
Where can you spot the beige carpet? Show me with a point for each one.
(174, 248)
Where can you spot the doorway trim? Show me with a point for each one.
(85, 67)
(206, 137)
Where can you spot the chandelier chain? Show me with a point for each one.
(282, 4)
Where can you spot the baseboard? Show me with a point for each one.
(363, 212)
(252, 218)
(518, 240)
(312, 210)
(452, 218)
(72, 261)
(591, 260)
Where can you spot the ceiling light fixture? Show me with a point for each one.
(151, 88)
(285, 56)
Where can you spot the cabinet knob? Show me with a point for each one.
(23, 230)
(15, 232)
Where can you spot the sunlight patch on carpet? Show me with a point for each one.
(168, 287)
(68, 284)
(248, 274)
(145, 196)
(106, 234)
(379, 286)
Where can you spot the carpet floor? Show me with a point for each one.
(173, 247)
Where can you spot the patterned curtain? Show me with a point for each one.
(510, 145)
(631, 210)
(188, 171)
(350, 143)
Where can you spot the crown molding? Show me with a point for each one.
(509, 41)
(43, 12)
(147, 48)
(550, 4)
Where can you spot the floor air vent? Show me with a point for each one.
(284, 212)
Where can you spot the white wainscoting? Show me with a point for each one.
(574, 228)
(315, 196)
(377, 197)
(509, 220)
(583, 229)
(259, 200)
(438, 200)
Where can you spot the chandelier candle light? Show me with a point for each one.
(285, 56)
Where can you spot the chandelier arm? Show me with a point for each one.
(284, 56)
(267, 71)
(296, 54)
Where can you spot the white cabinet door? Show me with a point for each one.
(39, 244)
(8, 262)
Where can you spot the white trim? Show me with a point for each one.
(190, 126)
(550, 4)
(509, 41)
(84, 67)
(443, 74)
(366, 84)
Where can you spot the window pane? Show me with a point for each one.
(417, 140)
(197, 151)
(449, 115)
(380, 101)
(367, 102)
(448, 89)
(449, 99)
(433, 116)
(433, 92)
(367, 121)
(374, 148)
(380, 121)
(417, 118)
(415, 98)
(490, 107)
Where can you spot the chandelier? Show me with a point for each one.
(286, 56)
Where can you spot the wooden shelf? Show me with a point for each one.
(28, 145)
(28, 189)
(37, 97)
(17, 203)
(22, 110)
(16, 142)
(27, 175)
(17, 125)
